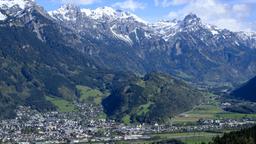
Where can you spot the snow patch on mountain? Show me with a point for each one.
(2, 17)
(110, 14)
(147, 35)
(6, 4)
(213, 29)
(207, 57)
(100, 12)
(15, 7)
(122, 37)
(67, 12)
(165, 28)
(247, 35)
(191, 23)
(136, 35)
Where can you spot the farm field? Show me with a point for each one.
(191, 137)
(188, 138)
(209, 110)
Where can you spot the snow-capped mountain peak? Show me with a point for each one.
(191, 23)
(13, 7)
(70, 12)
(67, 12)
(99, 12)
(168, 28)
(213, 29)
(111, 14)
(165, 24)
(6, 4)
(191, 19)
(123, 24)
(247, 35)
(105, 11)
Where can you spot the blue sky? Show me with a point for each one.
(232, 14)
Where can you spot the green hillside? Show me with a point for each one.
(245, 136)
(155, 98)
(89, 95)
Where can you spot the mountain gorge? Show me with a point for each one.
(50, 53)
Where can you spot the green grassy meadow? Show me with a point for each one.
(90, 95)
(191, 137)
(188, 138)
(62, 105)
(208, 110)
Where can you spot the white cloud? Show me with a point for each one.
(220, 14)
(80, 2)
(242, 10)
(157, 2)
(129, 5)
(172, 15)
(167, 3)
(240, 7)
(179, 2)
(246, 1)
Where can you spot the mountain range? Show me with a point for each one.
(188, 48)
(50, 53)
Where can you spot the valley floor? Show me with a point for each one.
(88, 124)
(212, 110)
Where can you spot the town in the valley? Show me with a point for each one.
(87, 125)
